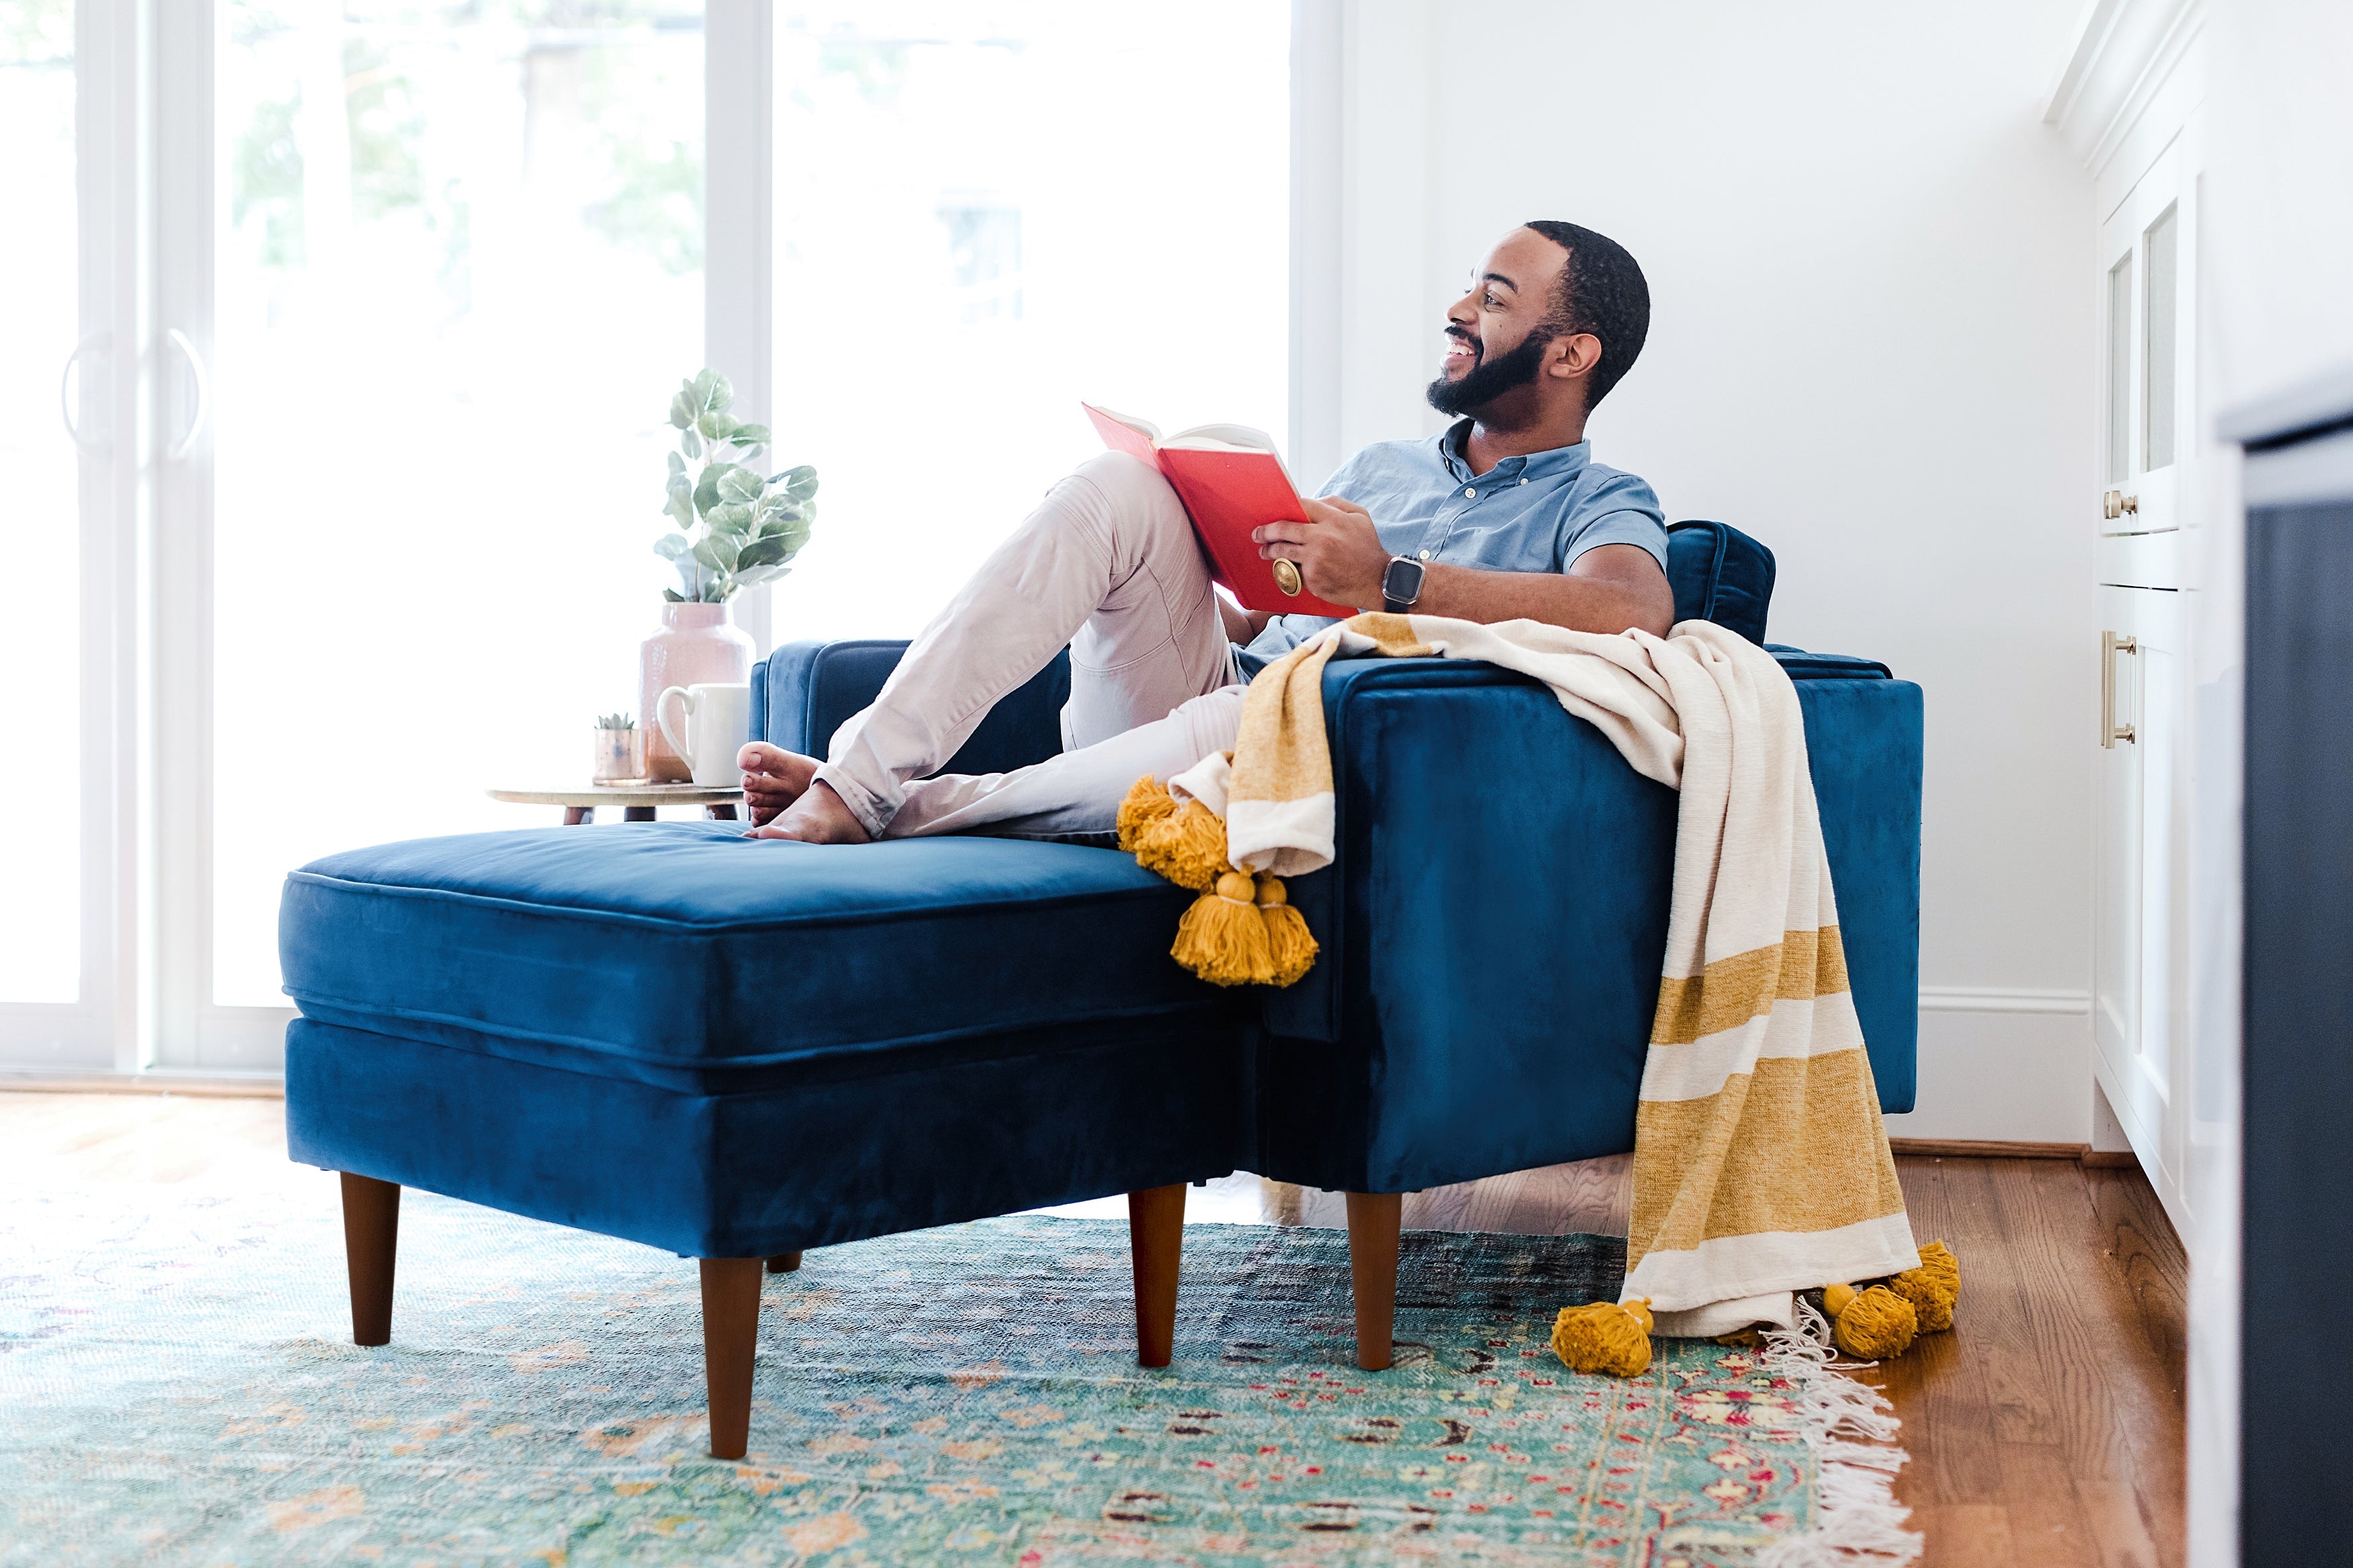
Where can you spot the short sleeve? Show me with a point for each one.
(1622, 510)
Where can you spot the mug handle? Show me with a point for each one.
(661, 717)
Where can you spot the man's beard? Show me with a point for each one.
(1491, 378)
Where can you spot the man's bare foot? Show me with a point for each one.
(818, 817)
(773, 778)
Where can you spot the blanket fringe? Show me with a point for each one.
(1851, 1429)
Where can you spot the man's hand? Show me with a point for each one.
(1338, 552)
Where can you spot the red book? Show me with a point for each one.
(1231, 480)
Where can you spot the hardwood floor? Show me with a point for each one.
(2045, 1431)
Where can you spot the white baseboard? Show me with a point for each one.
(2012, 1066)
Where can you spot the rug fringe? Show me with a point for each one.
(1852, 1430)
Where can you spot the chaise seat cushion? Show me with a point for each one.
(685, 955)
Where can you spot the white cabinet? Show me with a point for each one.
(2141, 511)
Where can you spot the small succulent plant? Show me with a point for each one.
(735, 528)
(615, 721)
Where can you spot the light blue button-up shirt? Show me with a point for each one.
(1533, 513)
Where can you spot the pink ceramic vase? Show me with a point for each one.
(697, 643)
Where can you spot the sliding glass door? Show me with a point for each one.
(63, 389)
(457, 273)
(334, 384)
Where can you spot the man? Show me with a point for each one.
(1504, 517)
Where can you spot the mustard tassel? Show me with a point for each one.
(1290, 944)
(1933, 1288)
(1605, 1337)
(1187, 847)
(1872, 1324)
(1222, 938)
(1148, 801)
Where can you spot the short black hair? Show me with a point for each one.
(1602, 291)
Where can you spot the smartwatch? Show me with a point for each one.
(1402, 583)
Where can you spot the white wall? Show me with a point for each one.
(1872, 346)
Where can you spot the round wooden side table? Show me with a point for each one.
(636, 801)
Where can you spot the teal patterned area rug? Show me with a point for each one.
(179, 1387)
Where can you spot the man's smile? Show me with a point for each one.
(1462, 351)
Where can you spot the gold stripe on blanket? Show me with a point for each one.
(1788, 1129)
(1731, 991)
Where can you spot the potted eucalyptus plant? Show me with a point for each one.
(736, 528)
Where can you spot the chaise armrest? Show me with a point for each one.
(1495, 919)
(804, 691)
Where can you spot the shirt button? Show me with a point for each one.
(1524, 481)
(1469, 490)
(1425, 555)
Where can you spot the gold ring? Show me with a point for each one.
(1286, 576)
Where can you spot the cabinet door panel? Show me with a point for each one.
(2138, 887)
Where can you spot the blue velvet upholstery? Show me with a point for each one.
(1492, 955)
(827, 1150)
(687, 955)
(1720, 575)
(730, 1049)
(805, 690)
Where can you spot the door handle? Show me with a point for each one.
(179, 339)
(2116, 504)
(67, 394)
(2111, 731)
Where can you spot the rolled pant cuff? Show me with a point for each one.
(873, 813)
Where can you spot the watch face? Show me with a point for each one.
(1402, 581)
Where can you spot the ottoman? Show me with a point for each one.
(739, 1049)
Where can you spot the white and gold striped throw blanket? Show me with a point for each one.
(1761, 1167)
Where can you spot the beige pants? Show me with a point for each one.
(1106, 565)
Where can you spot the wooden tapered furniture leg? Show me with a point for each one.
(784, 1263)
(1155, 1240)
(1373, 1222)
(731, 1332)
(371, 1237)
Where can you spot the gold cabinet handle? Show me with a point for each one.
(2111, 731)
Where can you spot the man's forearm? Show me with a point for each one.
(1580, 604)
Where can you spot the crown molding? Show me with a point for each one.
(2125, 49)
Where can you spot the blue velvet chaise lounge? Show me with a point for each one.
(742, 1050)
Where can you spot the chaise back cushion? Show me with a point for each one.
(805, 690)
(1720, 575)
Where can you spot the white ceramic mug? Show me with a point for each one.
(718, 723)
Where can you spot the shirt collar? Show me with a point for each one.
(1557, 462)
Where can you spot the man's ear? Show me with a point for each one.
(1575, 354)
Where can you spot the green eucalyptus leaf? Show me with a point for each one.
(699, 390)
(768, 549)
(693, 443)
(799, 483)
(681, 508)
(723, 394)
(723, 484)
(731, 517)
(750, 435)
(680, 413)
(716, 427)
(673, 596)
(677, 465)
(671, 546)
(759, 574)
(716, 552)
